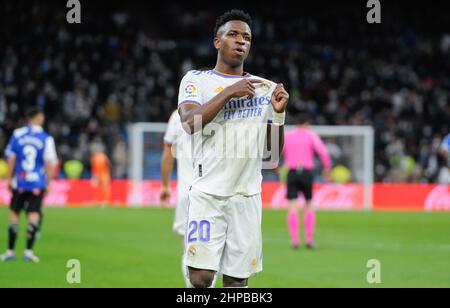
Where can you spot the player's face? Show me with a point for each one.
(40, 119)
(233, 42)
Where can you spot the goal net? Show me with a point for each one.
(351, 149)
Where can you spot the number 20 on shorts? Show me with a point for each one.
(199, 230)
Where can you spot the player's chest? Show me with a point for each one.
(241, 109)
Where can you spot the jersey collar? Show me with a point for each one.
(225, 75)
(36, 129)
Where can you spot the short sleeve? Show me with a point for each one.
(190, 90)
(50, 155)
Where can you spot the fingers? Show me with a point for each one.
(282, 99)
(164, 197)
(280, 92)
(250, 88)
(250, 94)
(247, 87)
(281, 95)
(255, 81)
(252, 82)
(279, 87)
(277, 91)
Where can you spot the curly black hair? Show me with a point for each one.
(232, 15)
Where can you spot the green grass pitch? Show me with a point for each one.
(136, 248)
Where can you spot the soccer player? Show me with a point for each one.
(300, 146)
(176, 141)
(101, 176)
(228, 110)
(31, 163)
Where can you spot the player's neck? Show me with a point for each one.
(226, 69)
(36, 125)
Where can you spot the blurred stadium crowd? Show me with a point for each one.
(123, 65)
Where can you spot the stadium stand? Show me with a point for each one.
(121, 66)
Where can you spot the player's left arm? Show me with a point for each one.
(50, 169)
(11, 159)
(279, 101)
(167, 161)
(50, 158)
(322, 151)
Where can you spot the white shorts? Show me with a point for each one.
(224, 234)
(179, 223)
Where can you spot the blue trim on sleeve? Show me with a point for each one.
(188, 102)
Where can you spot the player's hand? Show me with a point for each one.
(280, 98)
(277, 171)
(165, 195)
(326, 174)
(9, 185)
(244, 87)
(46, 189)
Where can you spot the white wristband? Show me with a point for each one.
(279, 118)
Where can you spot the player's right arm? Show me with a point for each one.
(10, 153)
(166, 170)
(171, 137)
(189, 112)
(10, 172)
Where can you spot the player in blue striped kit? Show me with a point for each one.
(32, 158)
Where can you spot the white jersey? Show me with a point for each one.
(180, 141)
(228, 152)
